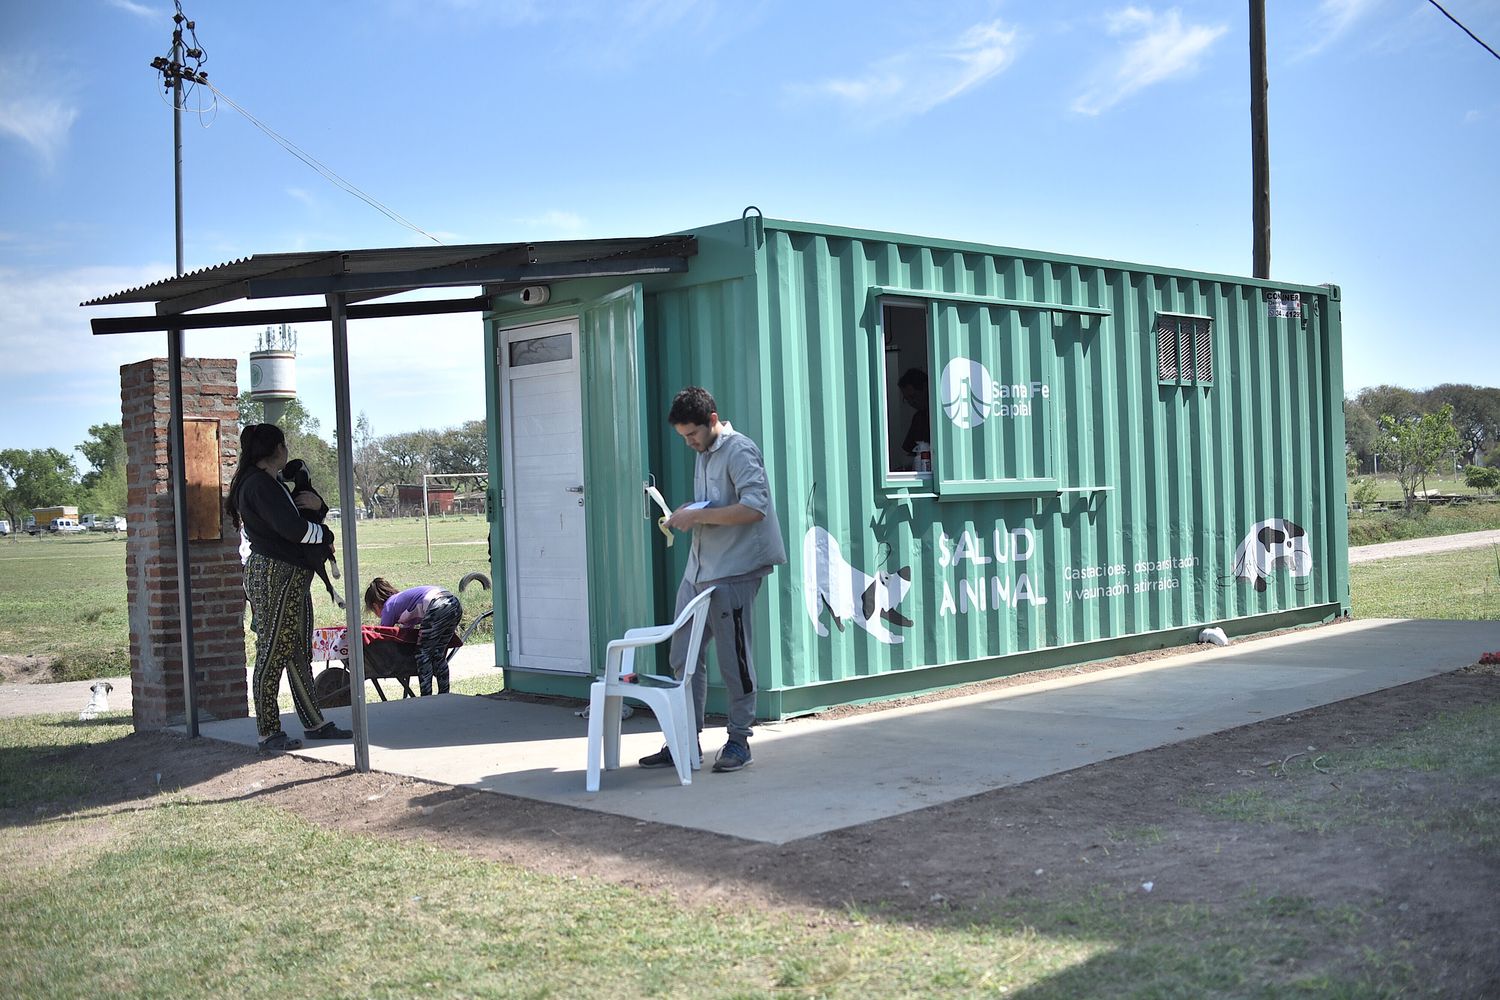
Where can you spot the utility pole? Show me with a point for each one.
(1259, 146)
(183, 63)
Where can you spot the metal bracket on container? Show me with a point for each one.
(754, 227)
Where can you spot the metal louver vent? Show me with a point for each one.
(1166, 350)
(1203, 355)
(1184, 350)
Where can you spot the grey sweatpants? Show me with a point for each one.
(730, 628)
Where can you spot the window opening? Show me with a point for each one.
(541, 350)
(906, 378)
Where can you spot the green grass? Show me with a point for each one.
(66, 596)
(1423, 522)
(177, 896)
(1387, 488)
(1325, 792)
(1462, 585)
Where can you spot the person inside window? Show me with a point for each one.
(913, 386)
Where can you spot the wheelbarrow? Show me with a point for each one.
(391, 659)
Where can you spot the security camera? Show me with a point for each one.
(535, 295)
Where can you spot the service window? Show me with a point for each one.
(906, 389)
(993, 419)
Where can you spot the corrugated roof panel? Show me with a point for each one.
(229, 281)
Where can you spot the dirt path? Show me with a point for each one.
(1423, 546)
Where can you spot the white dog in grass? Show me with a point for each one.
(98, 700)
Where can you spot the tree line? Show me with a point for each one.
(1412, 434)
(380, 463)
(46, 477)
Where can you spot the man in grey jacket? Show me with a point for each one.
(736, 544)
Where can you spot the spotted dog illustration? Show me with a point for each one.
(1269, 544)
(830, 584)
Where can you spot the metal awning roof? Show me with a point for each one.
(340, 278)
(366, 274)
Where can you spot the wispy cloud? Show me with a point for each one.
(30, 112)
(45, 332)
(1332, 20)
(54, 364)
(304, 196)
(140, 10)
(1159, 48)
(916, 81)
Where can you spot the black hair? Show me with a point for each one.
(693, 405)
(914, 377)
(257, 442)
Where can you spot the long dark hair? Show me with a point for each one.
(257, 441)
(377, 593)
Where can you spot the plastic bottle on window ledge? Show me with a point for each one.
(923, 461)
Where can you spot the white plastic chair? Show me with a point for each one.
(670, 698)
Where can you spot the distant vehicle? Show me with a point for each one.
(42, 517)
(65, 526)
(4, 527)
(334, 513)
(103, 522)
(30, 526)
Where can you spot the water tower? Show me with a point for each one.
(273, 371)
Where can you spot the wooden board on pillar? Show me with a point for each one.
(201, 463)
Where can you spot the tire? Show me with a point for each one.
(479, 578)
(331, 687)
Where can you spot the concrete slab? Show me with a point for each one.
(471, 660)
(811, 776)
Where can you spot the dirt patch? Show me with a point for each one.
(31, 668)
(1425, 886)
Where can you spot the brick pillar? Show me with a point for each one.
(209, 390)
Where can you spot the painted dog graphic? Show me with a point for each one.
(830, 584)
(1269, 544)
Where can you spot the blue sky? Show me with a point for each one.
(1111, 130)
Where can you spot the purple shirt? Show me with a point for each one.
(408, 607)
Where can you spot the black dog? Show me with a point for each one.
(297, 477)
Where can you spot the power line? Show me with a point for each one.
(327, 172)
(1465, 30)
(182, 72)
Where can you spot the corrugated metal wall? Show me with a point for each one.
(1161, 480)
(1184, 471)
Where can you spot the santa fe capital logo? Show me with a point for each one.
(968, 393)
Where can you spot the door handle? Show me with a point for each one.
(575, 489)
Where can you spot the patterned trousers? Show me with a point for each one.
(281, 615)
(437, 627)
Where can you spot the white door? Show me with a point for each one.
(546, 549)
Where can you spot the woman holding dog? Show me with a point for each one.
(278, 581)
(433, 611)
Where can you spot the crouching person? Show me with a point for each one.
(433, 611)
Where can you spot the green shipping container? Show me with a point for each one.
(1118, 457)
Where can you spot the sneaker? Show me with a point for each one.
(663, 757)
(278, 743)
(327, 731)
(734, 756)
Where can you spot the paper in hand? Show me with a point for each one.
(661, 522)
